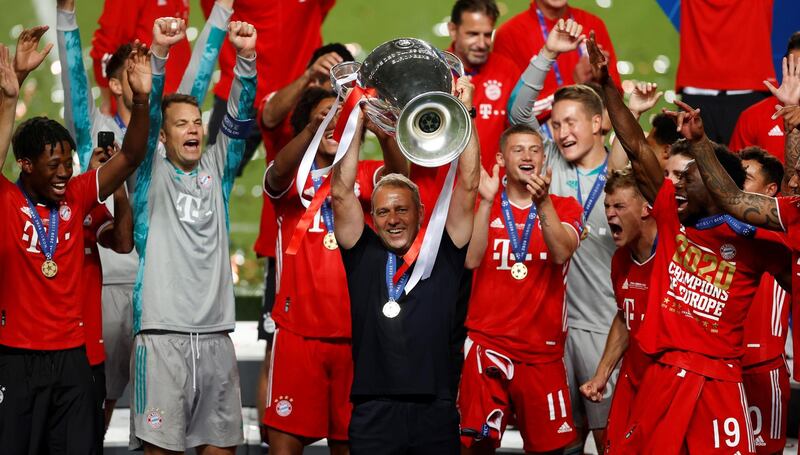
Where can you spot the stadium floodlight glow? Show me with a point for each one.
(604, 3)
(15, 31)
(191, 33)
(669, 96)
(661, 64)
(440, 28)
(624, 67)
(57, 96)
(55, 68)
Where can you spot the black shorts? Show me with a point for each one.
(47, 401)
(99, 386)
(266, 326)
(721, 112)
(417, 427)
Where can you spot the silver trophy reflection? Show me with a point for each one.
(412, 82)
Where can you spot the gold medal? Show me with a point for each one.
(585, 233)
(329, 241)
(391, 309)
(519, 271)
(49, 268)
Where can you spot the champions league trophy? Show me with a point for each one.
(408, 84)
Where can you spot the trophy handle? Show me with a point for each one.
(455, 63)
(344, 76)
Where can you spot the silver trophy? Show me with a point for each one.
(412, 82)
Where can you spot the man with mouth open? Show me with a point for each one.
(45, 379)
(185, 380)
(403, 394)
(706, 270)
(635, 234)
(311, 367)
(516, 322)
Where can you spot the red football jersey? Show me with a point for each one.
(312, 299)
(631, 283)
(92, 284)
(526, 318)
(494, 82)
(767, 325)
(789, 214)
(289, 32)
(38, 312)
(707, 29)
(703, 287)
(124, 21)
(756, 127)
(520, 39)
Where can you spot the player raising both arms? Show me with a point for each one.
(42, 336)
(706, 271)
(515, 349)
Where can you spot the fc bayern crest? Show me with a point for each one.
(727, 251)
(493, 89)
(283, 406)
(65, 212)
(204, 179)
(154, 419)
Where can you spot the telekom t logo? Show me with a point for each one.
(502, 252)
(188, 207)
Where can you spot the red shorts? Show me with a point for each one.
(677, 411)
(767, 388)
(493, 386)
(621, 403)
(309, 386)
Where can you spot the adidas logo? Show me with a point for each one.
(497, 223)
(775, 131)
(625, 284)
(564, 428)
(760, 441)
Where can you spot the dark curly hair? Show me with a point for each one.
(34, 135)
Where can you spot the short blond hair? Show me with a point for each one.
(395, 180)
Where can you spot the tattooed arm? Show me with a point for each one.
(791, 119)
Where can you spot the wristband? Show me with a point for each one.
(236, 129)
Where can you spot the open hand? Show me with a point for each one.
(28, 56)
(243, 37)
(566, 36)
(645, 95)
(140, 74)
(320, 70)
(689, 122)
(598, 60)
(100, 155)
(9, 85)
(539, 186)
(789, 91)
(489, 184)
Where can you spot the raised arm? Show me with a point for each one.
(78, 102)
(281, 103)
(566, 36)
(197, 76)
(487, 191)
(394, 162)
(791, 120)
(462, 205)
(118, 235)
(283, 170)
(644, 97)
(348, 217)
(134, 147)
(9, 92)
(616, 345)
(752, 208)
(646, 168)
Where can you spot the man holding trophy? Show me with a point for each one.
(402, 393)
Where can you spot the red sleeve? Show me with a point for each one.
(743, 133)
(326, 6)
(98, 217)
(84, 192)
(505, 44)
(789, 211)
(206, 6)
(116, 26)
(774, 252)
(569, 212)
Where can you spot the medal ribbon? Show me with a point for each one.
(394, 290)
(327, 211)
(743, 229)
(545, 32)
(120, 124)
(48, 240)
(594, 194)
(520, 249)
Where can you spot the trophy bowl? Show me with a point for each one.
(411, 84)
